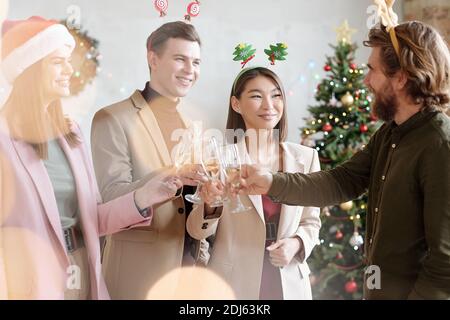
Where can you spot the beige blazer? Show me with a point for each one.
(127, 148)
(238, 250)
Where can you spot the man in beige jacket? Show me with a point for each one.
(131, 140)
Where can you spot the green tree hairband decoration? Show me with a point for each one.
(245, 52)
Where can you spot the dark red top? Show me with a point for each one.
(270, 280)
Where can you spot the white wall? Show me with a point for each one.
(122, 28)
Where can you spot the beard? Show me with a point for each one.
(385, 105)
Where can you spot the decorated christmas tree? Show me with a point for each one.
(341, 123)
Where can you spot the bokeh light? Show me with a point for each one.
(191, 283)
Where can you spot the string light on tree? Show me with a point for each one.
(356, 240)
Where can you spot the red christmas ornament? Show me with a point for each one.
(351, 286)
(339, 235)
(161, 6)
(353, 66)
(327, 67)
(327, 127)
(193, 10)
(363, 128)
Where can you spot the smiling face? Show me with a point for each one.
(385, 105)
(176, 69)
(56, 72)
(260, 104)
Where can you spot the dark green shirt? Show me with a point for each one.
(407, 174)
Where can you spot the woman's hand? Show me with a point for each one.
(211, 191)
(191, 174)
(282, 251)
(158, 189)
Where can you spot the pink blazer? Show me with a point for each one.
(33, 259)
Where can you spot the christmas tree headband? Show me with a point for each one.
(245, 52)
(389, 19)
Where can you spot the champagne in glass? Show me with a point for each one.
(196, 142)
(234, 176)
(232, 164)
(212, 166)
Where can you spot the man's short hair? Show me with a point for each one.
(177, 30)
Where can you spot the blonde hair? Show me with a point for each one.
(424, 58)
(26, 115)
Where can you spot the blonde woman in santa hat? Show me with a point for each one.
(51, 216)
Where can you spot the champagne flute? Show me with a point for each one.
(182, 156)
(183, 152)
(195, 198)
(211, 163)
(232, 165)
(196, 141)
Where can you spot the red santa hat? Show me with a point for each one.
(25, 42)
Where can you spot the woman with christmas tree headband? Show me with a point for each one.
(50, 215)
(261, 252)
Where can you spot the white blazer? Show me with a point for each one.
(238, 249)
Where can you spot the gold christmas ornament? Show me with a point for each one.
(347, 99)
(346, 206)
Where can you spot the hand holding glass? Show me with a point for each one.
(232, 165)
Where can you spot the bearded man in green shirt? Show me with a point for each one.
(405, 167)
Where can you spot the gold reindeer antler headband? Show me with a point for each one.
(389, 19)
